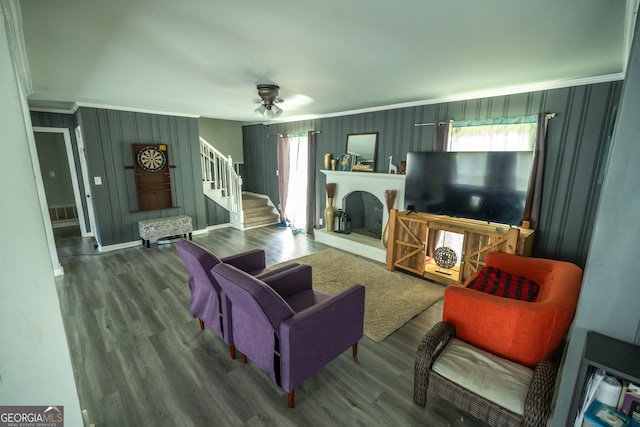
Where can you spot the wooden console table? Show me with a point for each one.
(407, 248)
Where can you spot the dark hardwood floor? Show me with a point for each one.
(140, 359)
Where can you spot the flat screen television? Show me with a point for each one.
(487, 186)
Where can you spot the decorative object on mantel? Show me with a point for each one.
(392, 168)
(345, 162)
(445, 258)
(329, 212)
(361, 167)
(390, 199)
(334, 164)
(327, 161)
(403, 167)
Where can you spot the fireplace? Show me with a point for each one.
(365, 211)
(364, 188)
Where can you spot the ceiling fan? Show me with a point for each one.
(269, 98)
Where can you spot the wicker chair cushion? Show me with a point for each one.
(494, 281)
(494, 378)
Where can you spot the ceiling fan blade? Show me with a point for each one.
(298, 100)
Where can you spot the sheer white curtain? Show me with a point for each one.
(295, 162)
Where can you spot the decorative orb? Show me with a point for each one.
(445, 257)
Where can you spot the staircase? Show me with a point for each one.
(258, 212)
(222, 184)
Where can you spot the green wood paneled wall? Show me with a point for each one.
(575, 143)
(108, 135)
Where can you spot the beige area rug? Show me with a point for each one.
(391, 298)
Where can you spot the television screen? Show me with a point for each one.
(487, 186)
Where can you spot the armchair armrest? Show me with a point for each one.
(428, 351)
(504, 326)
(290, 280)
(314, 337)
(537, 405)
(248, 261)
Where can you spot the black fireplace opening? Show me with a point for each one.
(365, 211)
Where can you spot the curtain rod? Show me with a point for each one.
(429, 124)
(315, 132)
(548, 115)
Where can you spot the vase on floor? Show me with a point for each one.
(385, 235)
(390, 200)
(329, 213)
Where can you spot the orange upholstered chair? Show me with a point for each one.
(492, 356)
(523, 332)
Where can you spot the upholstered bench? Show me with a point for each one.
(164, 227)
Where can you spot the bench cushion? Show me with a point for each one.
(163, 227)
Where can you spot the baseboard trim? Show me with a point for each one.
(218, 226)
(133, 244)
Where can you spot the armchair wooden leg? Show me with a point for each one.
(232, 351)
(290, 399)
(354, 349)
(201, 324)
(243, 357)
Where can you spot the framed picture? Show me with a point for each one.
(345, 163)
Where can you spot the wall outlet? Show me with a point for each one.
(321, 221)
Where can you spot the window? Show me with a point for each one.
(503, 134)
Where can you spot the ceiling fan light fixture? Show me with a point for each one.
(261, 110)
(269, 95)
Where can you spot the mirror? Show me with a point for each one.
(363, 147)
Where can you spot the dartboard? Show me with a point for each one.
(445, 257)
(151, 159)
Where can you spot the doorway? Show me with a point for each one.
(64, 207)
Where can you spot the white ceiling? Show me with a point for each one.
(205, 57)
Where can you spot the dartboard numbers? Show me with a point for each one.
(151, 159)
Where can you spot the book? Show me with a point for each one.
(631, 402)
(625, 386)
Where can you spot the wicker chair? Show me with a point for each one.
(537, 405)
(497, 366)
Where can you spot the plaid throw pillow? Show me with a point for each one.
(496, 282)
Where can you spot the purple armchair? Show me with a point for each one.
(205, 291)
(286, 328)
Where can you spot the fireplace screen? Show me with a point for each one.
(365, 211)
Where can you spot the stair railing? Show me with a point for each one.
(218, 170)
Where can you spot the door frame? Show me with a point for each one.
(72, 170)
(84, 172)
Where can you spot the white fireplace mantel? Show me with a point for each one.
(374, 183)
